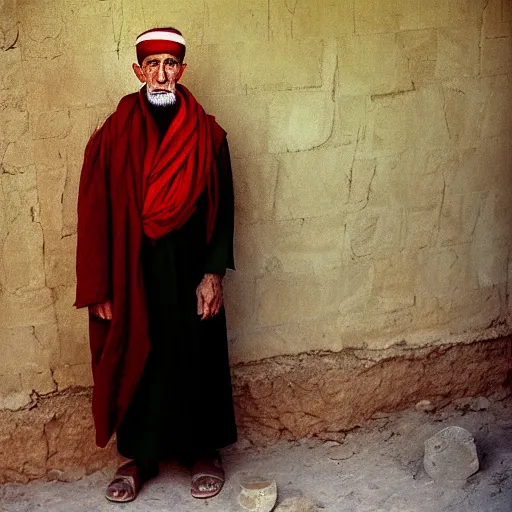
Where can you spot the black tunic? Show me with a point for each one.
(183, 404)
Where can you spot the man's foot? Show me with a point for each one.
(128, 480)
(207, 477)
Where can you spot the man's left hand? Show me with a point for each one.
(209, 296)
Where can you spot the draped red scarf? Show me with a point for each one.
(179, 168)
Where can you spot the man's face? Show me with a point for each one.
(160, 72)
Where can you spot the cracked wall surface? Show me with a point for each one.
(371, 145)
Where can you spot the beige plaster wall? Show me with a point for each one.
(371, 145)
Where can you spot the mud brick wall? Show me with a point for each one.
(371, 145)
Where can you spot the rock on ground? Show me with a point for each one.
(451, 455)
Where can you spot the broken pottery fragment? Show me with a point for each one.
(450, 455)
(257, 494)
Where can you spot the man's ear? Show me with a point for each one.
(182, 70)
(138, 72)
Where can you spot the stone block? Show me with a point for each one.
(498, 102)
(30, 307)
(255, 180)
(213, 70)
(489, 262)
(246, 22)
(19, 155)
(351, 118)
(50, 187)
(459, 217)
(84, 86)
(100, 35)
(40, 381)
(465, 107)
(378, 16)
(300, 121)
(69, 198)
(316, 19)
(128, 20)
(441, 271)
(451, 455)
(49, 125)
(411, 120)
(60, 259)
(421, 227)
(410, 179)
(12, 395)
(493, 12)
(13, 119)
(312, 183)
(295, 298)
(239, 299)
(41, 39)
(26, 349)
(373, 232)
(394, 286)
(419, 47)
(458, 52)
(496, 55)
(8, 11)
(80, 9)
(23, 245)
(312, 245)
(462, 170)
(383, 16)
(76, 375)
(245, 118)
(371, 64)
(73, 328)
(281, 66)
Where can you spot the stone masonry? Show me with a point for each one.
(371, 145)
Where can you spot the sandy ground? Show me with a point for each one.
(379, 467)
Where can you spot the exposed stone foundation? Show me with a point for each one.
(320, 395)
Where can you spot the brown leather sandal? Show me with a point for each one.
(128, 481)
(208, 477)
(126, 484)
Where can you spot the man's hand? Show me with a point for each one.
(103, 311)
(209, 296)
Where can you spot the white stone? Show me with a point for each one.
(450, 455)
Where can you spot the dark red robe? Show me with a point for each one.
(110, 234)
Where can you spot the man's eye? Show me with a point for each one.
(172, 63)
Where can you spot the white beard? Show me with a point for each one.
(161, 99)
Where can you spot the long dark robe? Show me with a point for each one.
(155, 362)
(183, 405)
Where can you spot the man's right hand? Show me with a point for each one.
(103, 311)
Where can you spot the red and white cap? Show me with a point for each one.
(160, 40)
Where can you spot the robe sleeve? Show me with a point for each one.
(219, 253)
(93, 232)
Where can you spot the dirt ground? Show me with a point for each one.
(378, 467)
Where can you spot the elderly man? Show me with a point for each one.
(155, 236)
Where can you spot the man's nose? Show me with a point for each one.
(162, 76)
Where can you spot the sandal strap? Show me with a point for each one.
(209, 468)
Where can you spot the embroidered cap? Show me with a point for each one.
(160, 40)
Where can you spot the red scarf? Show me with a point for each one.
(175, 171)
(179, 169)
